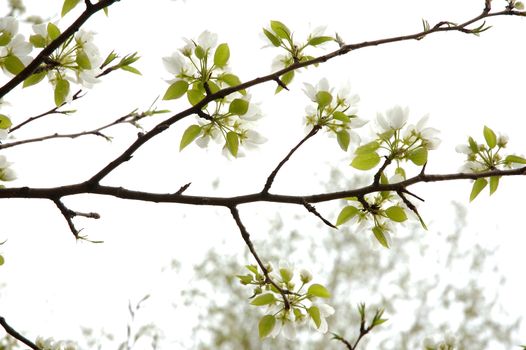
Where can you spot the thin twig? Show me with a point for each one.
(313, 210)
(248, 242)
(12, 332)
(272, 176)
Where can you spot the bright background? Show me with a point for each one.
(54, 284)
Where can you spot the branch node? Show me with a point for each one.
(183, 188)
(313, 210)
(281, 83)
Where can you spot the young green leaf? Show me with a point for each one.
(286, 274)
(379, 234)
(344, 139)
(37, 41)
(323, 98)
(82, 60)
(230, 79)
(13, 64)
(478, 186)
(232, 142)
(189, 135)
(493, 184)
(367, 148)
(318, 290)
(2, 261)
(346, 214)
(61, 91)
(52, 31)
(263, 299)
(319, 40)
(338, 115)
(238, 106)
(222, 55)
(514, 159)
(272, 38)
(5, 38)
(252, 268)
(195, 96)
(280, 29)
(314, 313)
(266, 325)
(396, 213)
(34, 79)
(365, 161)
(131, 69)
(418, 156)
(199, 52)
(491, 138)
(68, 6)
(473, 145)
(176, 90)
(5, 122)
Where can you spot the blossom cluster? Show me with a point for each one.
(14, 49)
(481, 157)
(293, 306)
(200, 68)
(336, 115)
(279, 35)
(52, 344)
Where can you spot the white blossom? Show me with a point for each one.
(311, 91)
(426, 134)
(177, 65)
(9, 25)
(395, 118)
(207, 40)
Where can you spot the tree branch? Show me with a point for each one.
(12, 332)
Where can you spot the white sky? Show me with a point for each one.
(53, 283)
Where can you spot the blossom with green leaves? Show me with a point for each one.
(487, 156)
(335, 113)
(14, 49)
(292, 305)
(200, 68)
(279, 35)
(6, 172)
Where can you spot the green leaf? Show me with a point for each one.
(110, 58)
(285, 79)
(230, 79)
(263, 299)
(252, 268)
(213, 86)
(319, 40)
(68, 6)
(232, 142)
(493, 184)
(314, 313)
(199, 52)
(238, 106)
(222, 55)
(379, 234)
(37, 41)
(131, 69)
(5, 38)
(5, 122)
(401, 172)
(346, 214)
(367, 148)
(396, 213)
(52, 31)
(515, 159)
(323, 98)
(189, 135)
(473, 145)
(195, 96)
(478, 186)
(266, 325)
(491, 138)
(272, 38)
(13, 64)
(34, 79)
(61, 91)
(418, 156)
(341, 117)
(245, 279)
(176, 90)
(365, 161)
(344, 139)
(2, 260)
(519, 6)
(82, 60)
(318, 290)
(280, 29)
